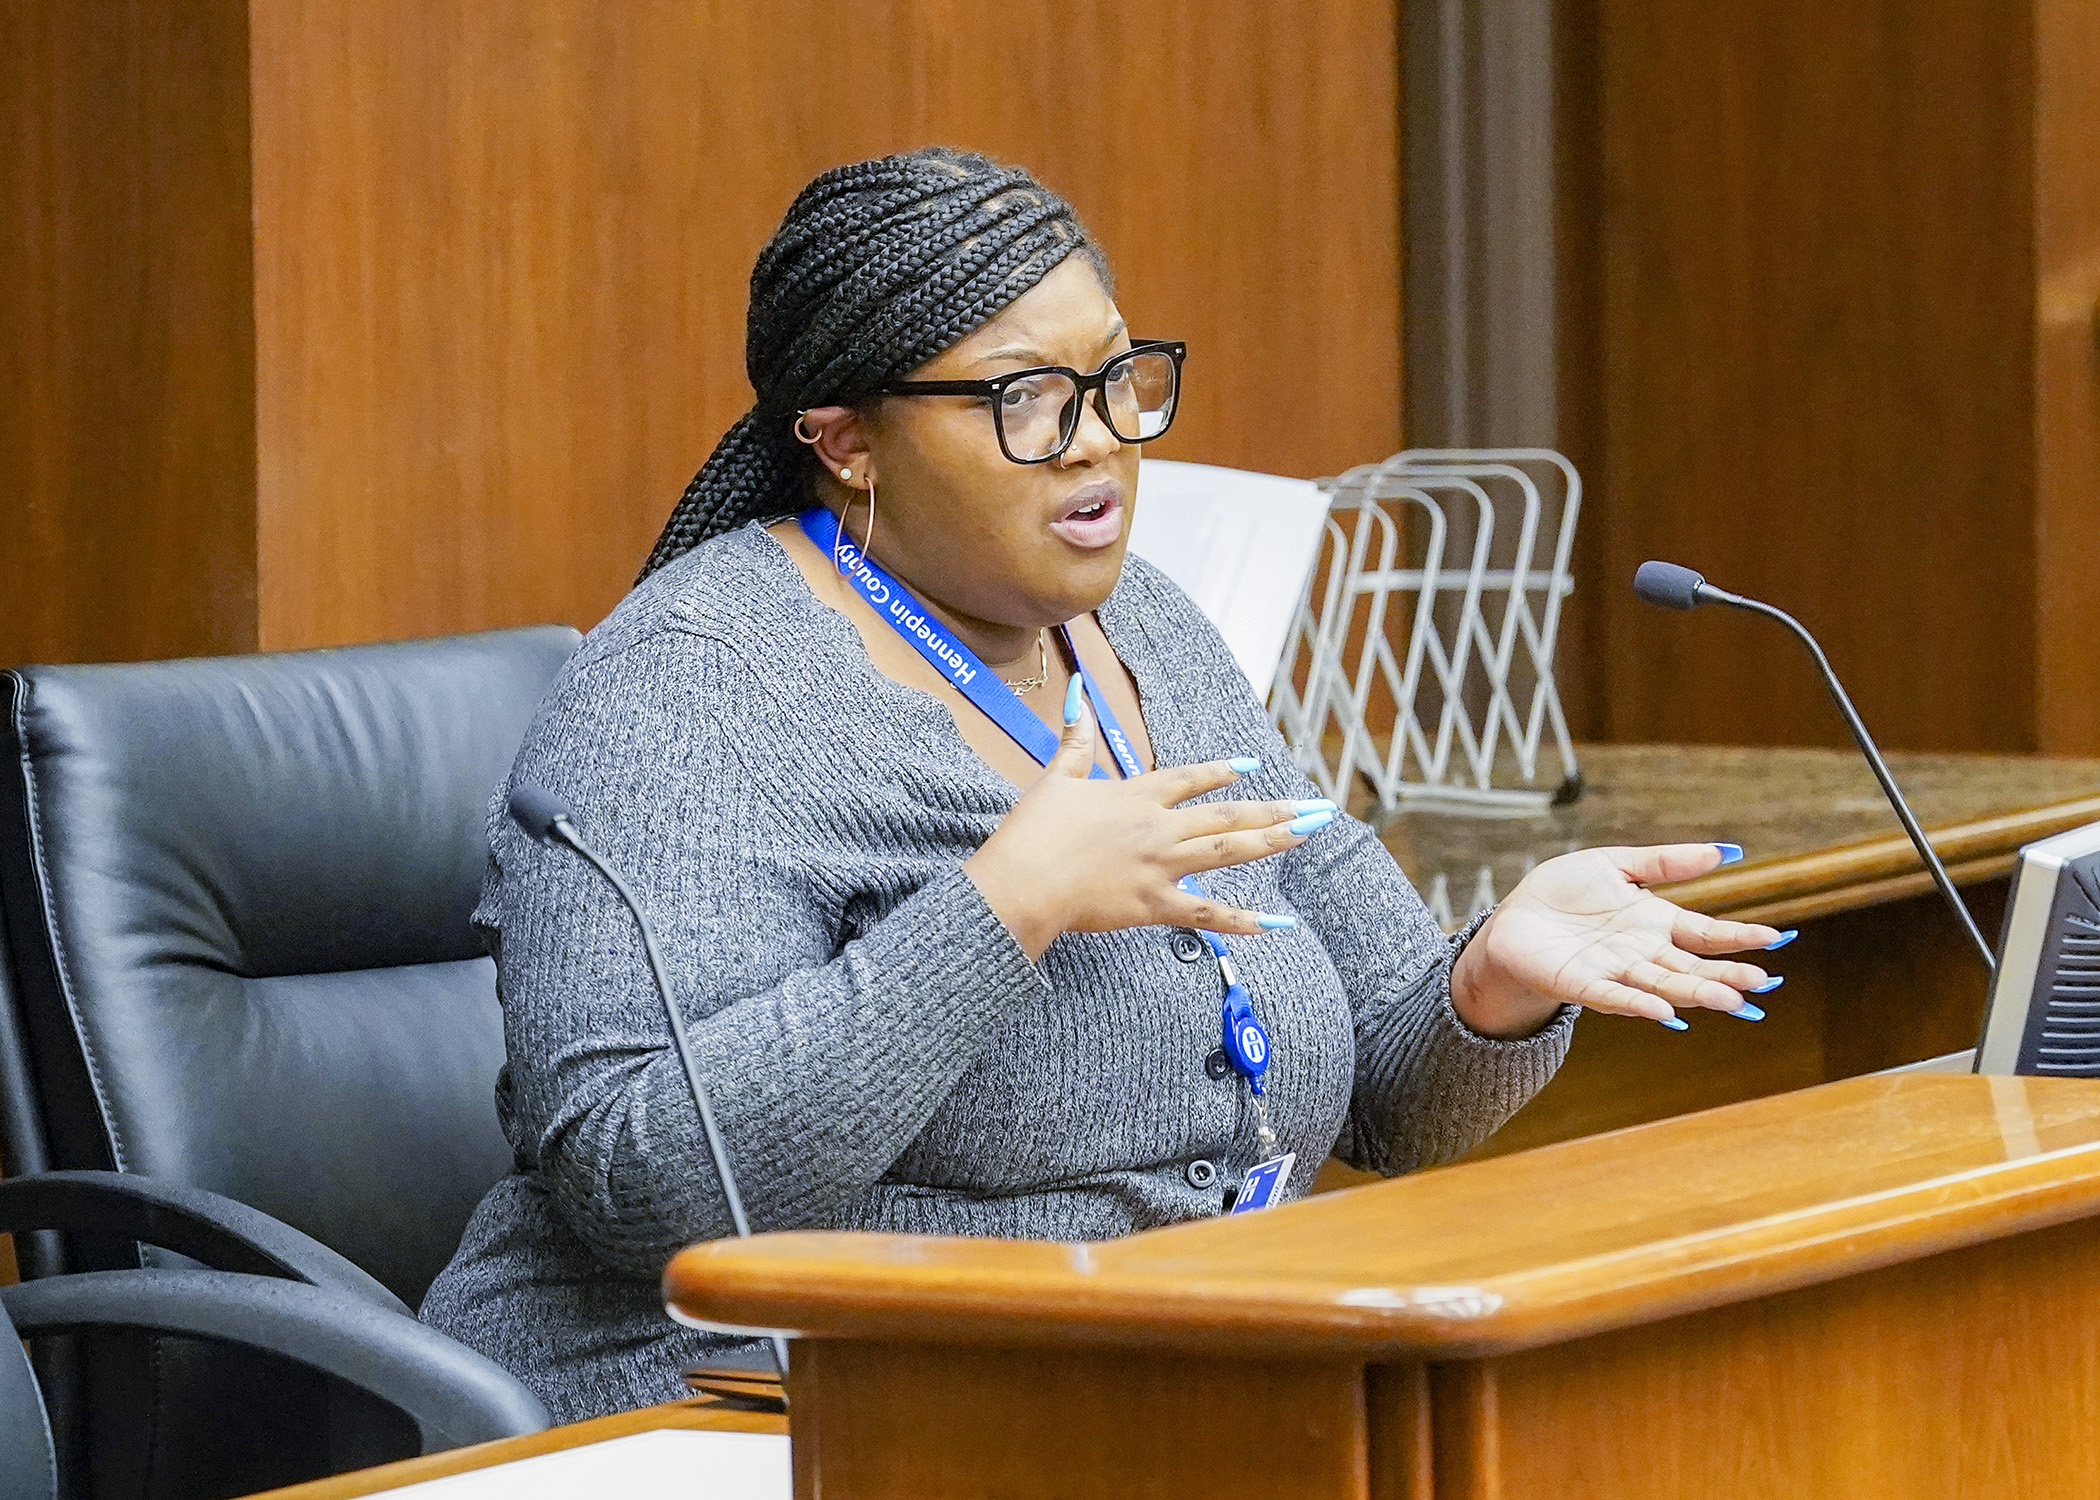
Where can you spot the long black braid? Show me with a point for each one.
(877, 268)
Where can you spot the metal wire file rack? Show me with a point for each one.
(1421, 657)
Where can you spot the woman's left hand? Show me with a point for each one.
(1581, 929)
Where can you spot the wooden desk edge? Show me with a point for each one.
(1870, 871)
(690, 1414)
(860, 1286)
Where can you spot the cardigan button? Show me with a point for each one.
(1217, 1064)
(1201, 1174)
(1186, 945)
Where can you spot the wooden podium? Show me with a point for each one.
(1884, 1286)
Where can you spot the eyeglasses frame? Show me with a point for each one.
(1095, 384)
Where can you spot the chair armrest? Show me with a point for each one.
(224, 1234)
(454, 1395)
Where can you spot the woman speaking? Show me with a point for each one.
(994, 903)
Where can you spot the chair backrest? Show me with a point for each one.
(237, 893)
(28, 1462)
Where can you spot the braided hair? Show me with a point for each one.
(877, 268)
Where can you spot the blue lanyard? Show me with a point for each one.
(1246, 1042)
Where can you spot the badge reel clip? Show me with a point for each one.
(1247, 1049)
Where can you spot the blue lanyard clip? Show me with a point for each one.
(1246, 1043)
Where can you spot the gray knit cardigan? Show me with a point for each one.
(880, 1052)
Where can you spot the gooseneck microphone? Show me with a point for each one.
(549, 820)
(1674, 587)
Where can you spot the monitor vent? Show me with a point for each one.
(2067, 1040)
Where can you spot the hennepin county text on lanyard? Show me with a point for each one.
(1246, 1043)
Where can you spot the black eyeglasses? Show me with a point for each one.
(1035, 412)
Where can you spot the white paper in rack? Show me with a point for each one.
(1240, 544)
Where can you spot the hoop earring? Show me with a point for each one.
(802, 436)
(841, 537)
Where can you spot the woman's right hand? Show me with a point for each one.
(1080, 854)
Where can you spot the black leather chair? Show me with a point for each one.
(450, 1394)
(340, 1324)
(236, 893)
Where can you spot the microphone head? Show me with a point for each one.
(1668, 585)
(537, 810)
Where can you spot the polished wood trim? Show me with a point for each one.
(901, 1421)
(1466, 1418)
(1844, 898)
(1965, 1376)
(1402, 1458)
(692, 1414)
(1874, 870)
(1558, 1243)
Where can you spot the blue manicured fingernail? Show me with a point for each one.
(1768, 986)
(1270, 923)
(1730, 853)
(1246, 765)
(1675, 1023)
(1317, 804)
(1072, 690)
(1784, 938)
(1312, 822)
(1747, 1012)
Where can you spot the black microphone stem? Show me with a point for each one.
(1867, 748)
(566, 831)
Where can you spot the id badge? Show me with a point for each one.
(1263, 1182)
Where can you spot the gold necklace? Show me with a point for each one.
(1042, 675)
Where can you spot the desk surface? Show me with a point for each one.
(691, 1415)
(1607, 1231)
(1818, 835)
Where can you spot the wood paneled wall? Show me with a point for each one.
(324, 321)
(1833, 267)
(127, 362)
(500, 255)
(2067, 372)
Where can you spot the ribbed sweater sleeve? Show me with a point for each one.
(826, 1039)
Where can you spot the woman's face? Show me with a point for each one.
(1005, 543)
